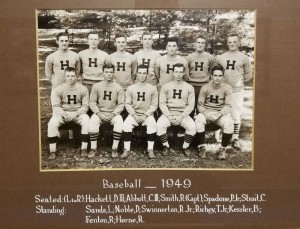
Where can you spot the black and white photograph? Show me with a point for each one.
(146, 89)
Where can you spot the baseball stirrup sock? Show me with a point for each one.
(200, 137)
(127, 136)
(188, 138)
(225, 139)
(151, 137)
(84, 137)
(163, 138)
(53, 140)
(236, 130)
(116, 135)
(94, 136)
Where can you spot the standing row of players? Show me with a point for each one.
(160, 71)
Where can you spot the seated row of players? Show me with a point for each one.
(71, 101)
(89, 63)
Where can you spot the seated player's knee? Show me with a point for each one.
(200, 123)
(94, 124)
(228, 126)
(236, 116)
(127, 125)
(161, 126)
(191, 129)
(151, 125)
(85, 121)
(53, 123)
(118, 124)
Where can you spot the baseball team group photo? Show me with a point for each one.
(146, 89)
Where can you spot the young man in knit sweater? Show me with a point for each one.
(70, 103)
(141, 103)
(58, 61)
(176, 102)
(214, 106)
(92, 61)
(164, 66)
(237, 71)
(147, 56)
(124, 62)
(200, 63)
(106, 102)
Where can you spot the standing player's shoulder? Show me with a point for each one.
(223, 54)
(156, 54)
(73, 53)
(161, 58)
(139, 52)
(182, 60)
(102, 52)
(128, 53)
(53, 55)
(82, 52)
(209, 55)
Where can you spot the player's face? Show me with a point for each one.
(71, 78)
(200, 44)
(93, 40)
(120, 43)
(147, 41)
(217, 77)
(63, 42)
(142, 74)
(178, 73)
(171, 48)
(108, 74)
(233, 43)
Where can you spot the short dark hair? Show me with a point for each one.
(120, 35)
(179, 65)
(93, 32)
(143, 66)
(202, 36)
(70, 69)
(146, 33)
(108, 66)
(217, 67)
(62, 34)
(233, 35)
(172, 39)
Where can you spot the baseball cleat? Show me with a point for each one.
(151, 154)
(165, 151)
(92, 153)
(83, 153)
(187, 152)
(222, 154)
(125, 154)
(236, 145)
(114, 153)
(202, 152)
(52, 156)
